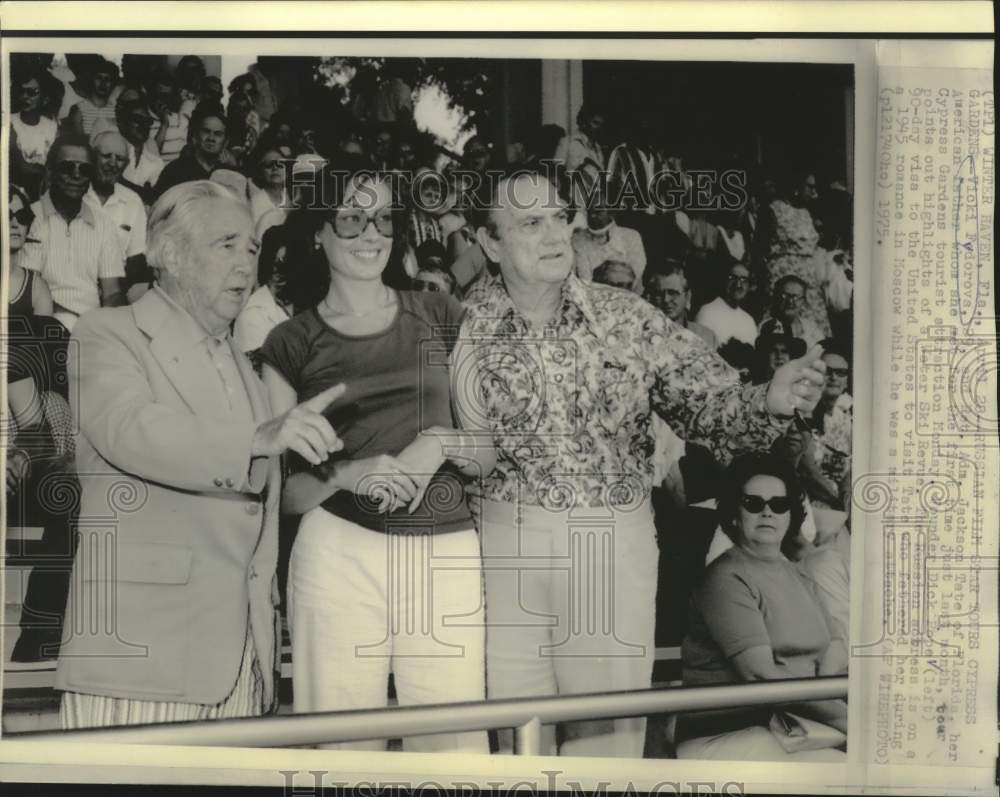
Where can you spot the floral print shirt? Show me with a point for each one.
(569, 408)
(834, 444)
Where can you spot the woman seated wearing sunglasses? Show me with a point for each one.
(754, 618)
(385, 571)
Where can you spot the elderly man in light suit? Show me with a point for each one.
(172, 608)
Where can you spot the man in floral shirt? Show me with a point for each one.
(564, 376)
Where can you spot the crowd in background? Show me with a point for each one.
(759, 282)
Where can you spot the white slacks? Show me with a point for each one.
(362, 603)
(571, 608)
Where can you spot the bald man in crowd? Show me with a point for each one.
(120, 205)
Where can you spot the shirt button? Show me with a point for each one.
(252, 508)
(229, 482)
(218, 482)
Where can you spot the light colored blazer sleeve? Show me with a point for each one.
(127, 409)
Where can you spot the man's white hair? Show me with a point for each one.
(176, 214)
(112, 134)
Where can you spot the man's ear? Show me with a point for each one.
(170, 257)
(491, 245)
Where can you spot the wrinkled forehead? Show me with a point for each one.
(834, 360)
(71, 152)
(670, 282)
(216, 217)
(528, 195)
(111, 144)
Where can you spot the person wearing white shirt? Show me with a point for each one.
(76, 248)
(583, 146)
(270, 303)
(724, 315)
(122, 206)
(135, 120)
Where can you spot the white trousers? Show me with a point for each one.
(571, 608)
(362, 603)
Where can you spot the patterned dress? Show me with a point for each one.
(794, 250)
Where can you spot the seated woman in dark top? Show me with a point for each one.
(755, 618)
(367, 591)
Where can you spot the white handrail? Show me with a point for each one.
(388, 723)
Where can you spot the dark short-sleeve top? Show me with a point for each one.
(745, 602)
(397, 385)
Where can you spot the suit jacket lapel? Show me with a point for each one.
(181, 354)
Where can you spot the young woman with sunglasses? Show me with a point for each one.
(363, 597)
(755, 618)
(29, 294)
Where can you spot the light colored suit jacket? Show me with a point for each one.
(178, 527)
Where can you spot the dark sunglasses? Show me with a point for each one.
(74, 169)
(755, 504)
(271, 164)
(837, 371)
(351, 223)
(22, 216)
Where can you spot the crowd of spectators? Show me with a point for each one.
(760, 282)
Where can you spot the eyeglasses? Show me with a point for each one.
(22, 216)
(755, 504)
(839, 372)
(352, 223)
(271, 164)
(792, 298)
(738, 279)
(427, 285)
(74, 169)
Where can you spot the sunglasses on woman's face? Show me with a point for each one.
(755, 504)
(351, 223)
(22, 216)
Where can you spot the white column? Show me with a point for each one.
(562, 92)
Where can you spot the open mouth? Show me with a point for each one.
(367, 254)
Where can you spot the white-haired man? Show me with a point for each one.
(121, 205)
(564, 377)
(173, 588)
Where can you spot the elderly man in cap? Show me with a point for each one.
(176, 597)
(563, 377)
(120, 204)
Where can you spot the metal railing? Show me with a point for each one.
(525, 716)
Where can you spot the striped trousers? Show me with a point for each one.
(79, 710)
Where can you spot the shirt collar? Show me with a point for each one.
(575, 308)
(49, 209)
(93, 196)
(190, 325)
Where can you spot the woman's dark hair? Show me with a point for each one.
(251, 166)
(308, 266)
(270, 243)
(739, 472)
